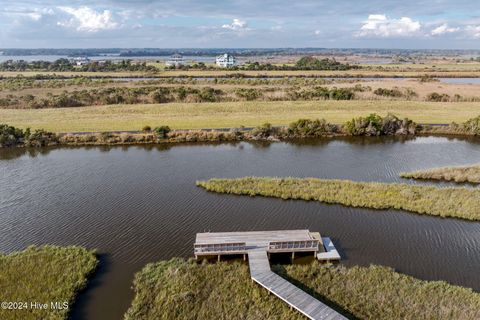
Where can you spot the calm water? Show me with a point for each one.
(140, 204)
(460, 80)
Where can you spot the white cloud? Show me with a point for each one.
(35, 14)
(474, 31)
(380, 25)
(443, 29)
(87, 19)
(318, 32)
(236, 24)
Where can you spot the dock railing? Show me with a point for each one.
(220, 248)
(286, 246)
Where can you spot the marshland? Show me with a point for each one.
(469, 174)
(359, 292)
(101, 166)
(116, 199)
(445, 202)
(43, 282)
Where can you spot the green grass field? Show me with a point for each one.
(229, 114)
(181, 290)
(44, 275)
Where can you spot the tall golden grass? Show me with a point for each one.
(179, 289)
(444, 202)
(469, 174)
(43, 274)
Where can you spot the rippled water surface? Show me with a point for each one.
(140, 204)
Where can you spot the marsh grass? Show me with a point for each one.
(179, 289)
(444, 202)
(470, 174)
(378, 292)
(43, 274)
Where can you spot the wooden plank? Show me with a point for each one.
(298, 299)
(256, 245)
(330, 253)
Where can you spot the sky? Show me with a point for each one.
(407, 24)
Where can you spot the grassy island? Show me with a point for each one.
(43, 275)
(179, 289)
(469, 174)
(444, 202)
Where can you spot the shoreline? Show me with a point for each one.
(131, 138)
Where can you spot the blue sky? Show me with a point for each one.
(435, 24)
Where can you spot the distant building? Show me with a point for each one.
(81, 61)
(226, 61)
(175, 61)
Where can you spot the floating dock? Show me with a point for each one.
(258, 246)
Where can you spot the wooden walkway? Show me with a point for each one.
(257, 245)
(300, 300)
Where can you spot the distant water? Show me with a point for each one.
(52, 58)
(460, 80)
(139, 204)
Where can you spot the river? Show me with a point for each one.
(139, 204)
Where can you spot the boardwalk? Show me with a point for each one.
(257, 245)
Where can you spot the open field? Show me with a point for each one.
(469, 174)
(372, 72)
(229, 114)
(444, 202)
(44, 275)
(179, 289)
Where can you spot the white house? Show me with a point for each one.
(226, 61)
(175, 61)
(81, 61)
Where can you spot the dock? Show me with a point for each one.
(257, 246)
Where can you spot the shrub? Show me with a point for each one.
(162, 131)
(341, 94)
(437, 97)
(10, 136)
(40, 138)
(375, 125)
(311, 128)
(369, 126)
(146, 129)
(394, 93)
(209, 94)
(472, 126)
(248, 93)
(312, 63)
(160, 95)
(264, 131)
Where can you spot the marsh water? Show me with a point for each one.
(139, 204)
